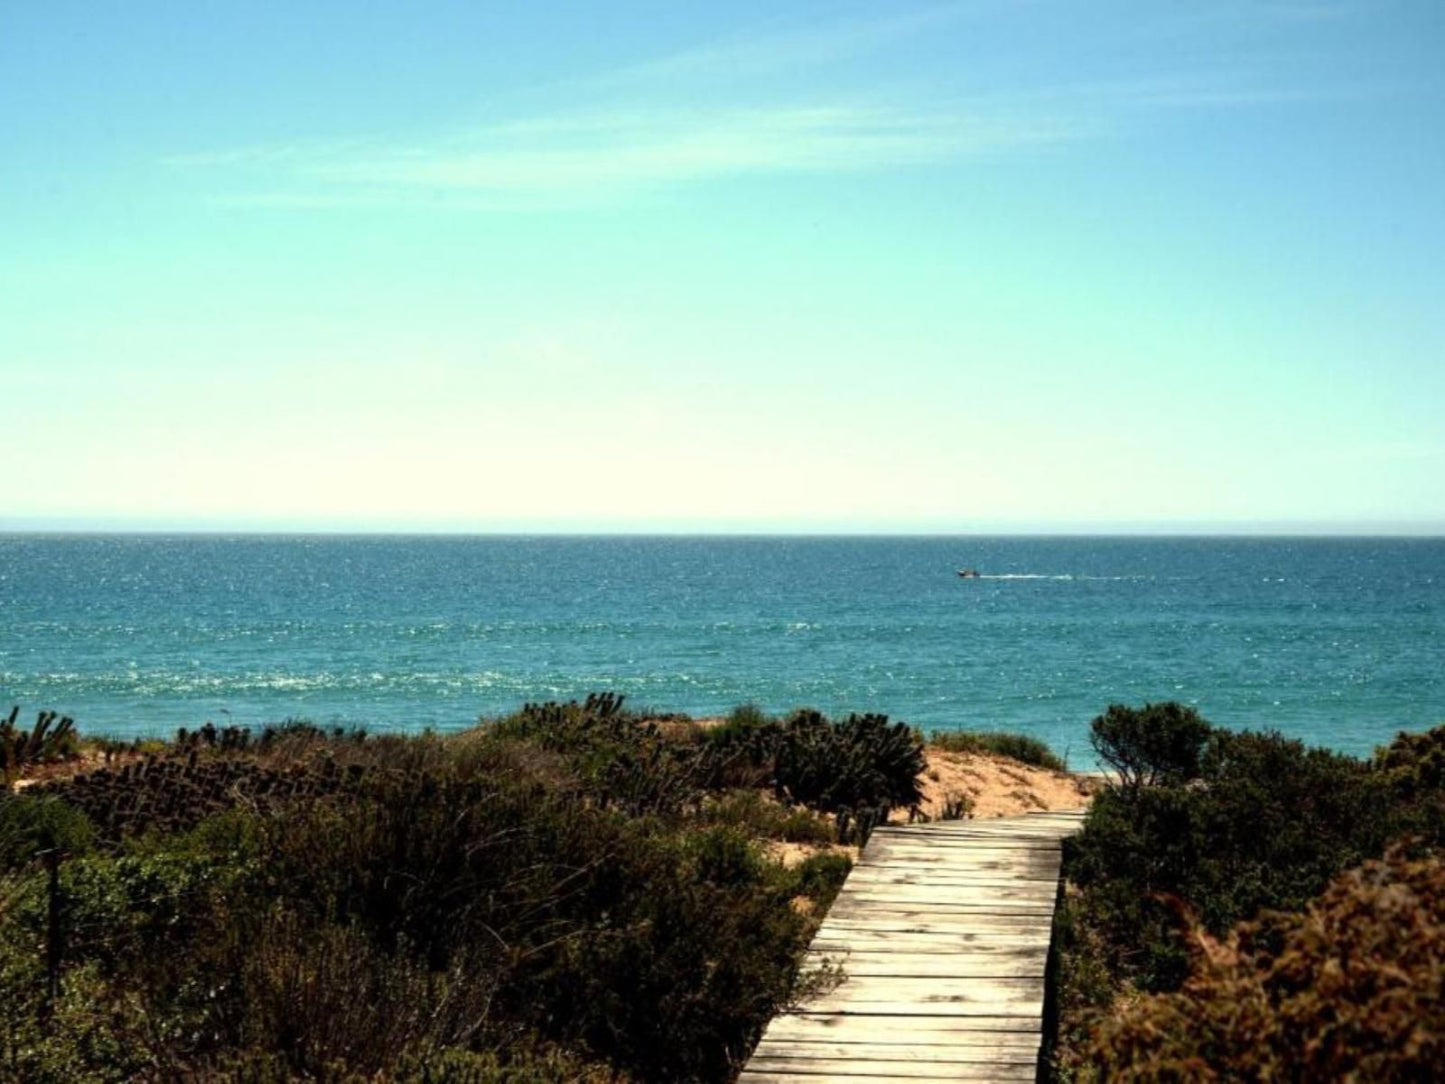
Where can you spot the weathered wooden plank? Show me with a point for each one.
(1018, 874)
(859, 900)
(981, 926)
(972, 898)
(853, 901)
(929, 833)
(1025, 963)
(1015, 829)
(940, 913)
(999, 1073)
(1045, 863)
(934, 864)
(898, 854)
(942, 988)
(939, 923)
(949, 875)
(1041, 839)
(1003, 857)
(984, 878)
(808, 1023)
(874, 955)
(1032, 890)
(939, 1047)
(985, 846)
(989, 890)
(886, 942)
(909, 1002)
(933, 944)
(964, 1032)
(916, 1070)
(980, 970)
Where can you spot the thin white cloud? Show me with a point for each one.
(602, 155)
(1113, 97)
(584, 158)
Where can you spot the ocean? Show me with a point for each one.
(1339, 641)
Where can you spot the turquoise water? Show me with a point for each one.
(1339, 641)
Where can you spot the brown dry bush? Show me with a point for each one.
(1352, 989)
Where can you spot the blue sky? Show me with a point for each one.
(945, 267)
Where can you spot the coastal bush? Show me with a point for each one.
(619, 760)
(819, 877)
(564, 888)
(172, 792)
(862, 763)
(1266, 825)
(46, 742)
(446, 1066)
(652, 943)
(1158, 743)
(746, 716)
(1415, 762)
(1353, 988)
(1020, 747)
(764, 818)
(855, 769)
(1270, 824)
(1412, 773)
(82, 1037)
(30, 824)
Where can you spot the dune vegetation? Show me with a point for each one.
(584, 892)
(1242, 907)
(573, 892)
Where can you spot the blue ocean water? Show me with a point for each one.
(1338, 641)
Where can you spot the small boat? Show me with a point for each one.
(969, 573)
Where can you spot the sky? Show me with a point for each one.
(994, 266)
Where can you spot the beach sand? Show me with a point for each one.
(996, 786)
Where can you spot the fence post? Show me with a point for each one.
(53, 944)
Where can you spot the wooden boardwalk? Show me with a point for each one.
(942, 931)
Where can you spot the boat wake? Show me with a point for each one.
(1025, 576)
(1054, 576)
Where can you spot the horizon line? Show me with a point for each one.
(1281, 530)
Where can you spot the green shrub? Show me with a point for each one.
(861, 763)
(820, 877)
(1158, 743)
(1020, 747)
(747, 715)
(724, 856)
(620, 760)
(31, 823)
(1353, 989)
(1265, 826)
(1415, 762)
(568, 888)
(604, 930)
(523, 1064)
(1271, 823)
(85, 1037)
(1412, 770)
(767, 819)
